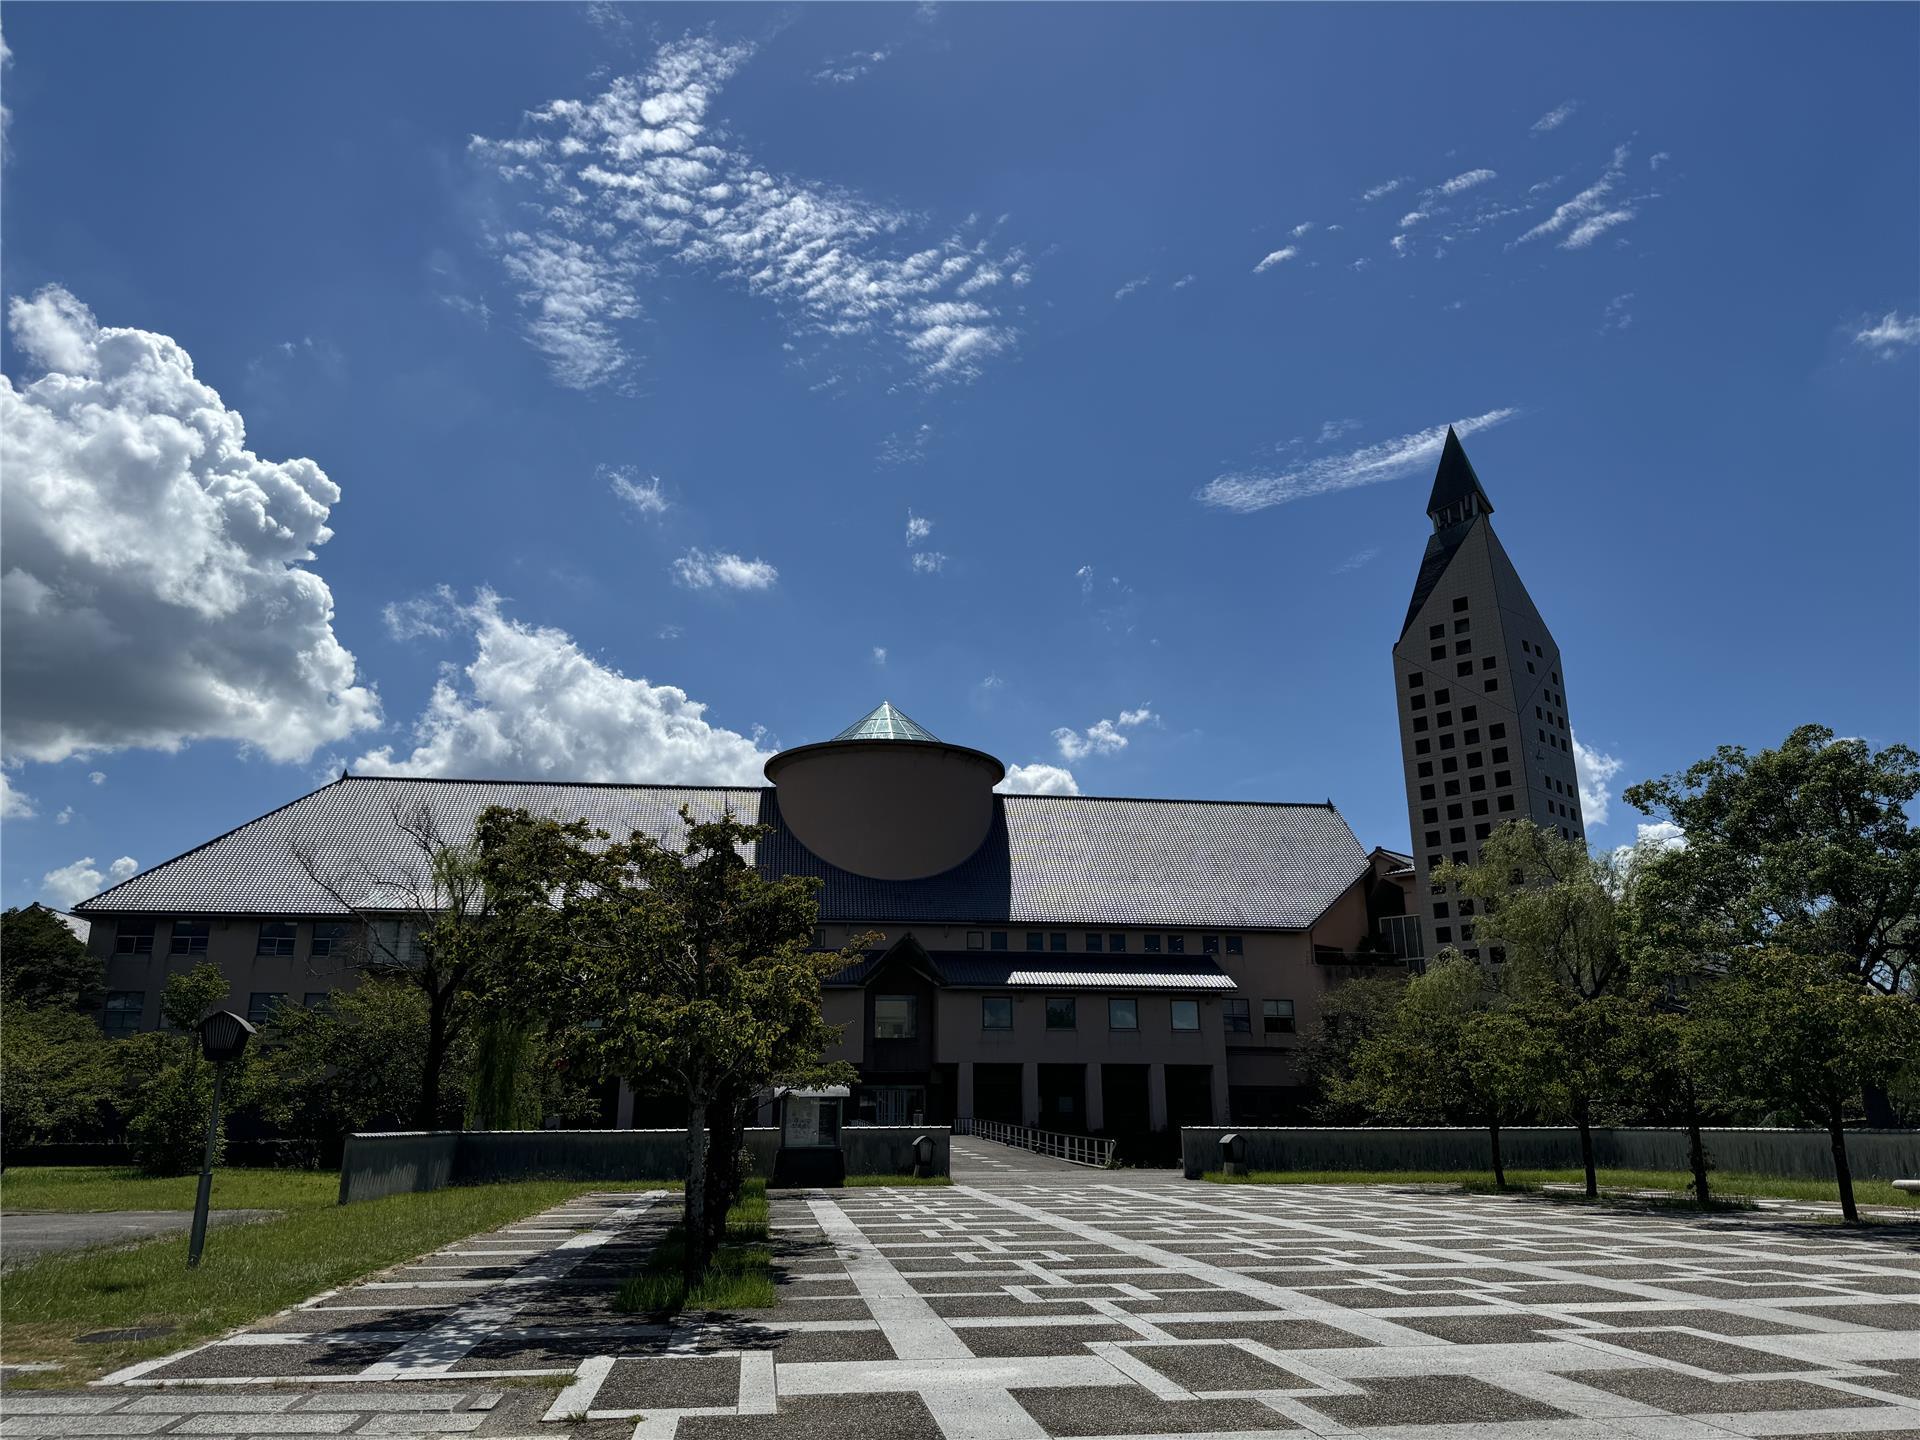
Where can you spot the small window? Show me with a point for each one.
(996, 1012)
(1470, 737)
(1502, 778)
(1459, 605)
(1432, 838)
(1460, 857)
(996, 940)
(1454, 812)
(1446, 741)
(896, 1017)
(1496, 731)
(1460, 627)
(1186, 1015)
(1417, 702)
(1176, 944)
(1463, 647)
(1419, 724)
(1479, 807)
(1505, 802)
(1492, 685)
(1426, 792)
(332, 939)
(1117, 943)
(1276, 1017)
(189, 937)
(1443, 719)
(262, 1003)
(1060, 1012)
(1094, 939)
(1488, 662)
(1416, 680)
(1036, 940)
(1469, 712)
(276, 938)
(1449, 764)
(316, 999)
(1440, 911)
(134, 937)
(1236, 945)
(1438, 652)
(1443, 933)
(1451, 787)
(1499, 754)
(1476, 782)
(1430, 816)
(1436, 632)
(1151, 943)
(1463, 669)
(1457, 835)
(1423, 747)
(976, 940)
(1209, 944)
(1480, 832)
(124, 1009)
(1057, 941)
(1123, 1013)
(1441, 697)
(1239, 1015)
(1473, 760)
(1425, 770)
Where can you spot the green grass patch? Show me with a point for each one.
(249, 1271)
(76, 1188)
(861, 1182)
(1729, 1185)
(739, 1277)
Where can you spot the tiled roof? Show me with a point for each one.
(886, 723)
(1047, 859)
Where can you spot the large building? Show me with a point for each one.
(1484, 734)
(1083, 964)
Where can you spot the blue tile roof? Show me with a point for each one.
(1047, 860)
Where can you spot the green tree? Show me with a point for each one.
(58, 1078)
(683, 968)
(169, 1085)
(1799, 1032)
(1350, 1013)
(43, 963)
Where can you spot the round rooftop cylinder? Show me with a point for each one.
(886, 799)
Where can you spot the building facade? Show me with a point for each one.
(1078, 963)
(1484, 733)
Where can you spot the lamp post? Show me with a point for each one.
(223, 1038)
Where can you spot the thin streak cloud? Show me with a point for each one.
(1246, 491)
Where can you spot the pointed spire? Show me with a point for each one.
(884, 722)
(1454, 482)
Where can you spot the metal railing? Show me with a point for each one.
(1074, 1149)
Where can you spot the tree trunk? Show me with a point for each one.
(723, 1165)
(427, 1116)
(1842, 1172)
(1697, 1151)
(693, 1211)
(1583, 1117)
(1493, 1141)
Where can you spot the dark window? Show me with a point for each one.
(1453, 812)
(1460, 626)
(1236, 945)
(1117, 942)
(1186, 1014)
(329, 939)
(1480, 832)
(1449, 764)
(976, 940)
(124, 1009)
(997, 939)
(134, 937)
(1438, 652)
(1503, 777)
(1239, 1016)
(1473, 760)
(1466, 907)
(1479, 807)
(1057, 940)
(1505, 802)
(996, 1012)
(1487, 661)
(1442, 696)
(1429, 817)
(1530, 669)
(262, 1003)
(1443, 933)
(189, 937)
(1417, 702)
(1499, 754)
(1463, 647)
(276, 938)
(1035, 940)
(1470, 737)
(1446, 741)
(1094, 939)
(896, 1017)
(1419, 724)
(1451, 787)
(1460, 857)
(1443, 719)
(1496, 731)
(1123, 1013)
(1416, 680)
(317, 999)
(1436, 632)
(1210, 944)
(1439, 909)
(1433, 837)
(1469, 712)
(1465, 667)
(1457, 835)
(1176, 944)
(1426, 792)
(1151, 943)
(1476, 782)
(1492, 685)
(1423, 747)
(1460, 604)
(1276, 1017)
(1060, 1012)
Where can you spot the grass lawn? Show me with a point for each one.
(861, 1182)
(1728, 1186)
(249, 1271)
(102, 1187)
(739, 1277)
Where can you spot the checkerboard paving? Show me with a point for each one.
(1133, 1304)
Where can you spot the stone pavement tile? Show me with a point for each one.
(200, 1402)
(1123, 1410)
(1857, 1435)
(983, 1279)
(955, 1307)
(1903, 1379)
(1275, 1334)
(1502, 1329)
(805, 1347)
(13, 1425)
(417, 1401)
(13, 1402)
(286, 1424)
(1880, 1317)
(1216, 1367)
(1702, 1354)
(1429, 1400)
(401, 1296)
(1720, 1322)
(1003, 1340)
(1881, 1284)
(1369, 1297)
(285, 1362)
(823, 1417)
(462, 1424)
(1690, 1395)
(1730, 1290)
(836, 1288)
(679, 1384)
(314, 1321)
(512, 1352)
(1528, 1294)
(789, 1306)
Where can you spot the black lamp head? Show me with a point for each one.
(223, 1036)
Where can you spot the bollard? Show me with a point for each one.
(923, 1157)
(1233, 1155)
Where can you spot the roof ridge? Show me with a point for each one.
(576, 784)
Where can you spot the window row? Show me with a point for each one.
(190, 937)
(1112, 942)
(897, 1017)
(125, 1008)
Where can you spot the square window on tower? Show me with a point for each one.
(1429, 817)
(1489, 662)
(1416, 680)
(1464, 668)
(1438, 652)
(1492, 685)
(1437, 632)
(1453, 812)
(1426, 792)
(1441, 696)
(1463, 647)
(1460, 604)
(1460, 626)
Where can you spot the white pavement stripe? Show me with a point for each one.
(908, 1322)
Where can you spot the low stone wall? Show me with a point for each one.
(404, 1162)
(1872, 1154)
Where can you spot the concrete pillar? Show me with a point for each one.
(1096, 1101)
(1029, 1095)
(1156, 1097)
(623, 1108)
(963, 1094)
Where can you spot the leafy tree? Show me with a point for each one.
(1799, 1031)
(58, 1077)
(43, 963)
(170, 1084)
(682, 968)
(1350, 1014)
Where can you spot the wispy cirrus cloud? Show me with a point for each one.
(1890, 334)
(639, 172)
(1132, 285)
(849, 68)
(918, 528)
(1383, 189)
(1356, 560)
(1555, 117)
(705, 569)
(1591, 213)
(1466, 180)
(1246, 491)
(1618, 315)
(644, 496)
(1277, 257)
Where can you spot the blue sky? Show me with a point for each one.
(1047, 371)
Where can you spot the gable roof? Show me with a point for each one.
(1047, 860)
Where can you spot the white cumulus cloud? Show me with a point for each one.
(1103, 737)
(704, 569)
(1593, 770)
(155, 586)
(70, 884)
(1038, 779)
(531, 704)
(918, 528)
(14, 804)
(1890, 334)
(1245, 491)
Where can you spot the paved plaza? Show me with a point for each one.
(1037, 1299)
